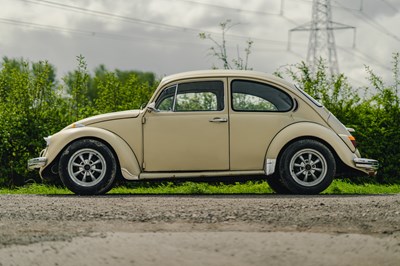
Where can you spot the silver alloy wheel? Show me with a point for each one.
(87, 167)
(308, 167)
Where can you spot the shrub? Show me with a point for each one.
(34, 105)
(375, 115)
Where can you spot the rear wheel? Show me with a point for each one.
(307, 167)
(88, 167)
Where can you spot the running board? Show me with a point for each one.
(198, 174)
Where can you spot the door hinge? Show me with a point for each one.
(144, 165)
(143, 120)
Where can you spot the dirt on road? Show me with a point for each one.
(199, 230)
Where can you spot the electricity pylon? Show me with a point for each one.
(321, 43)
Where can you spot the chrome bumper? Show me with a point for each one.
(37, 162)
(370, 165)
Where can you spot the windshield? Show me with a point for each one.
(309, 97)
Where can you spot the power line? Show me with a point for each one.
(369, 20)
(239, 10)
(107, 14)
(365, 17)
(354, 51)
(96, 34)
(334, 6)
(379, 27)
(99, 13)
(363, 56)
(322, 41)
(141, 21)
(390, 5)
(54, 28)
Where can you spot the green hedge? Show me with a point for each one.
(373, 111)
(34, 104)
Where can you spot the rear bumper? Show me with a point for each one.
(369, 165)
(37, 162)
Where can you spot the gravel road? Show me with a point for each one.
(199, 230)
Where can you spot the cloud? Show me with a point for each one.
(131, 44)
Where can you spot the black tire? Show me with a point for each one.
(307, 167)
(276, 184)
(88, 167)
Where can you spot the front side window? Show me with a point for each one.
(192, 96)
(250, 96)
(166, 100)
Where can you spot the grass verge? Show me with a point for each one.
(189, 188)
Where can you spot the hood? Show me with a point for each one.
(105, 117)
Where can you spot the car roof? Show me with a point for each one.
(225, 73)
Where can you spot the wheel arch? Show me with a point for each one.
(127, 163)
(337, 158)
(308, 130)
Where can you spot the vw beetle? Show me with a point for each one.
(216, 123)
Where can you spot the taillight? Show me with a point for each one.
(353, 140)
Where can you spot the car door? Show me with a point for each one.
(189, 130)
(258, 112)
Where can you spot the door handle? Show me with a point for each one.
(218, 120)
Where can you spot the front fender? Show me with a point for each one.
(130, 168)
(303, 130)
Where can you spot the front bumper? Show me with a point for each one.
(37, 162)
(369, 165)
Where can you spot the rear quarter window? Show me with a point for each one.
(251, 96)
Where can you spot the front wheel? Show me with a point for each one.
(276, 184)
(88, 167)
(307, 167)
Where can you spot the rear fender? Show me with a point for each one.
(303, 130)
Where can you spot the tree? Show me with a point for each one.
(116, 94)
(77, 86)
(29, 105)
(334, 92)
(375, 116)
(219, 50)
(33, 105)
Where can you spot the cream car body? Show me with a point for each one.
(219, 141)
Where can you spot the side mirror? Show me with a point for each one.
(152, 107)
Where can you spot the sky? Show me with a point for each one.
(162, 36)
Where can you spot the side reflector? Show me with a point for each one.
(353, 140)
(77, 125)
